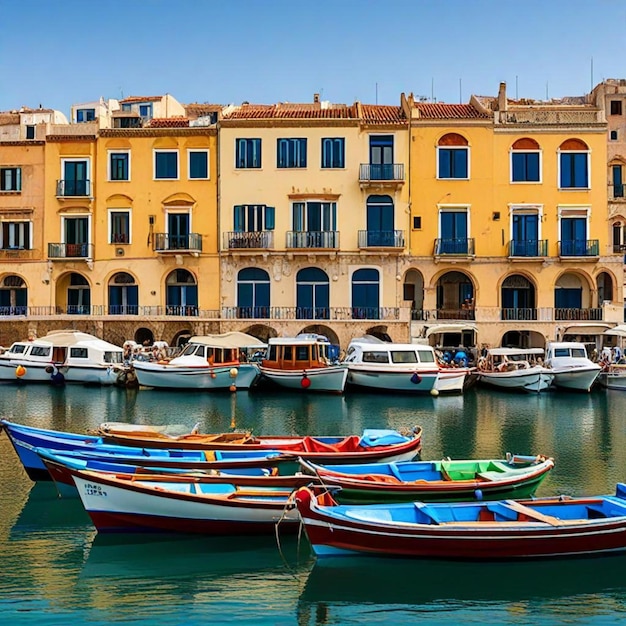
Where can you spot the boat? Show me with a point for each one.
(207, 362)
(307, 362)
(500, 530)
(395, 367)
(518, 369)
(59, 464)
(126, 503)
(218, 451)
(445, 481)
(63, 356)
(613, 376)
(571, 367)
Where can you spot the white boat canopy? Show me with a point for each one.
(233, 339)
(450, 328)
(515, 351)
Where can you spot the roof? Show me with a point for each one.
(287, 110)
(196, 109)
(169, 122)
(233, 339)
(132, 99)
(66, 338)
(382, 114)
(440, 111)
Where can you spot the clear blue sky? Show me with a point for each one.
(60, 52)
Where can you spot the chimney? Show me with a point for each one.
(502, 97)
(316, 98)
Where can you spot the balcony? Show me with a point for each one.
(454, 247)
(579, 248)
(312, 240)
(528, 248)
(393, 239)
(73, 188)
(70, 251)
(312, 313)
(191, 242)
(518, 314)
(381, 174)
(258, 240)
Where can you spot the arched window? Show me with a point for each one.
(312, 294)
(123, 295)
(253, 293)
(13, 296)
(380, 230)
(453, 157)
(518, 299)
(525, 161)
(78, 295)
(574, 164)
(365, 294)
(181, 293)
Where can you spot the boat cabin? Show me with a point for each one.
(302, 352)
(509, 359)
(392, 354)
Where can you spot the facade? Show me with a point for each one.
(482, 223)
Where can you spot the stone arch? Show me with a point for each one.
(413, 291)
(455, 295)
(263, 332)
(605, 286)
(322, 329)
(525, 143)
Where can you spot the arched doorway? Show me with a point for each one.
(380, 230)
(365, 294)
(123, 295)
(455, 297)
(604, 284)
(312, 294)
(78, 295)
(518, 299)
(572, 299)
(13, 296)
(181, 293)
(413, 292)
(253, 293)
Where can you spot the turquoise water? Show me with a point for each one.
(57, 570)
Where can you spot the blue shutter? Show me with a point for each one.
(269, 217)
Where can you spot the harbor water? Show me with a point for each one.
(58, 570)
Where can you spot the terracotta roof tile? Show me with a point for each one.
(169, 122)
(195, 109)
(448, 111)
(382, 114)
(131, 99)
(288, 110)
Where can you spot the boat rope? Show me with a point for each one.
(290, 505)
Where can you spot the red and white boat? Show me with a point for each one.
(500, 530)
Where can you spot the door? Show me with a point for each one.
(525, 235)
(76, 236)
(75, 178)
(178, 231)
(380, 221)
(453, 233)
(574, 236)
(381, 157)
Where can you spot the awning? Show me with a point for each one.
(618, 331)
(592, 328)
(229, 340)
(450, 328)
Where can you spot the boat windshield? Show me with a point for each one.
(113, 357)
(190, 349)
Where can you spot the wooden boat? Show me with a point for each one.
(125, 503)
(307, 363)
(63, 356)
(569, 364)
(59, 465)
(444, 481)
(374, 446)
(208, 362)
(500, 530)
(514, 369)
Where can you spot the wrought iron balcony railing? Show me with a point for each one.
(311, 313)
(257, 240)
(70, 251)
(528, 248)
(518, 314)
(169, 243)
(73, 188)
(324, 239)
(381, 239)
(579, 248)
(460, 247)
(380, 172)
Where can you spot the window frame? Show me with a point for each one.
(512, 154)
(561, 154)
(332, 165)
(120, 211)
(86, 111)
(17, 178)
(466, 149)
(295, 147)
(158, 151)
(241, 165)
(110, 154)
(253, 218)
(618, 107)
(28, 227)
(205, 151)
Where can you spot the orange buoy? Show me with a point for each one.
(20, 371)
(233, 372)
(233, 388)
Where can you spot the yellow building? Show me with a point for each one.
(314, 216)
(510, 243)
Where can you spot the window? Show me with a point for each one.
(314, 225)
(333, 152)
(119, 166)
(30, 132)
(365, 294)
(119, 226)
(10, 179)
(618, 181)
(375, 357)
(613, 135)
(525, 161)
(78, 295)
(76, 236)
(182, 293)
(16, 235)
(616, 107)
(291, 153)
(312, 294)
(78, 353)
(145, 110)
(453, 157)
(573, 229)
(13, 296)
(453, 232)
(380, 231)
(123, 295)
(247, 153)
(525, 231)
(574, 165)
(198, 164)
(85, 115)
(253, 293)
(166, 164)
(403, 356)
(75, 178)
(253, 217)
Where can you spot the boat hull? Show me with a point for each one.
(330, 379)
(166, 376)
(407, 380)
(613, 378)
(577, 379)
(533, 379)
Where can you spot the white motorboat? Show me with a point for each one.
(308, 362)
(613, 376)
(63, 356)
(570, 365)
(515, 369)
(406, 367)
(207, 362)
